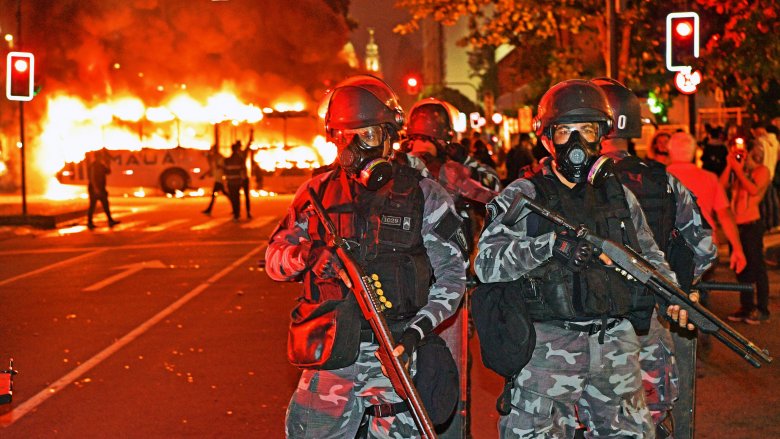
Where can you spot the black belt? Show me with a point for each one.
(387, 409)
(590, 328)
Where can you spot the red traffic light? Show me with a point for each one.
(413, 85)
(20, 76)
(682, 40)
(683, 28)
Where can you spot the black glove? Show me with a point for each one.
(575, 253)
(324, 263)
(410, 339)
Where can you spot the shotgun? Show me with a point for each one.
(371, 305)
(636, 266)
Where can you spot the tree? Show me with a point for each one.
(741, 54)
(559, 39)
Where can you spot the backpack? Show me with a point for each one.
(506, 333)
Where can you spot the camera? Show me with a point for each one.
(739, 148)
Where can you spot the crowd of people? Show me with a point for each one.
(439, 213)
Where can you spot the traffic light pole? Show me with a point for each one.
(21, 117)
(24, 167)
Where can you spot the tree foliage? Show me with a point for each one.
(567, 39)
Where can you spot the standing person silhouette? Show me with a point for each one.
(216, 170)
(97, 171)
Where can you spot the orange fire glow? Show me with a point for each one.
(72, 127)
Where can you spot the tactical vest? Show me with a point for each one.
(235, 167)
(551, 291)
(385, 230)
(648, 180)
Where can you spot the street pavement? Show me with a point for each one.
(164, 326)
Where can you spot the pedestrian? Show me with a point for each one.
(670, 209)
(403, 228)
(585, 364)
(245, 178)
(519, 157)
(658, 150)
(97, 172)
(709, 193)
(216, 170)
(480, 151)
(714, 151)
(748, 178)
(235, 176)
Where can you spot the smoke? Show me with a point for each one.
(97, 48)
(263, 51)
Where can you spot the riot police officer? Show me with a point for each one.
(677, 225)
(402, 227)
(585, 364)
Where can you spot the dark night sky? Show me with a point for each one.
(398, 54)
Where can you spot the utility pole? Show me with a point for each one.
(612, 55)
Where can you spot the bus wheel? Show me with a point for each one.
(174, 180)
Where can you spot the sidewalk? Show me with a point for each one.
(41, 213)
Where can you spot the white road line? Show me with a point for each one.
(51, 266)
(166, 225)
(179, 244)
(31, 404)
(258, 222)
(210, 224)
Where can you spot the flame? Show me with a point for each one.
(72, 127)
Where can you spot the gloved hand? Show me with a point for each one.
(575, 253)
(410, 339)
(324, 263)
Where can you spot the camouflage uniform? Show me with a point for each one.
(331, 403)
(483, 173)
(660, 373)
(569, 373)
(452, 331)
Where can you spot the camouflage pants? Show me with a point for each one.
(659, 369)
(570, 374)
(331, 403)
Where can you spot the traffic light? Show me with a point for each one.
(413, 84)
(682, 40)
(20, 76)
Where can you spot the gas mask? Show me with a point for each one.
(579, 160)
(363, 158)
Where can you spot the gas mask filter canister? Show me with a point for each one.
(579, 160)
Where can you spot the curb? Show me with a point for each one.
(41, 221)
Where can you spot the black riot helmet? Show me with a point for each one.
(577, 151)
(573, 101)
(363, 119)
(432, 118)
(625, 108)
(361, 101)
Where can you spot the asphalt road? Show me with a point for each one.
(165, 327)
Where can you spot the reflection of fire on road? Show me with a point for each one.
(126, 126)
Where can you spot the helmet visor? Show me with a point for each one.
(588, 130)
(369, 137)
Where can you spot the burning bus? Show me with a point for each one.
(145, 144)
(171, 170)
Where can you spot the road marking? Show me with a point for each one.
(258, 222)
(179, 244)
(129, 270)
(166, 225)
(31, 404)
(210, 224)
(51, 266)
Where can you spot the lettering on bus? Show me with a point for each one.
(147, 157)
